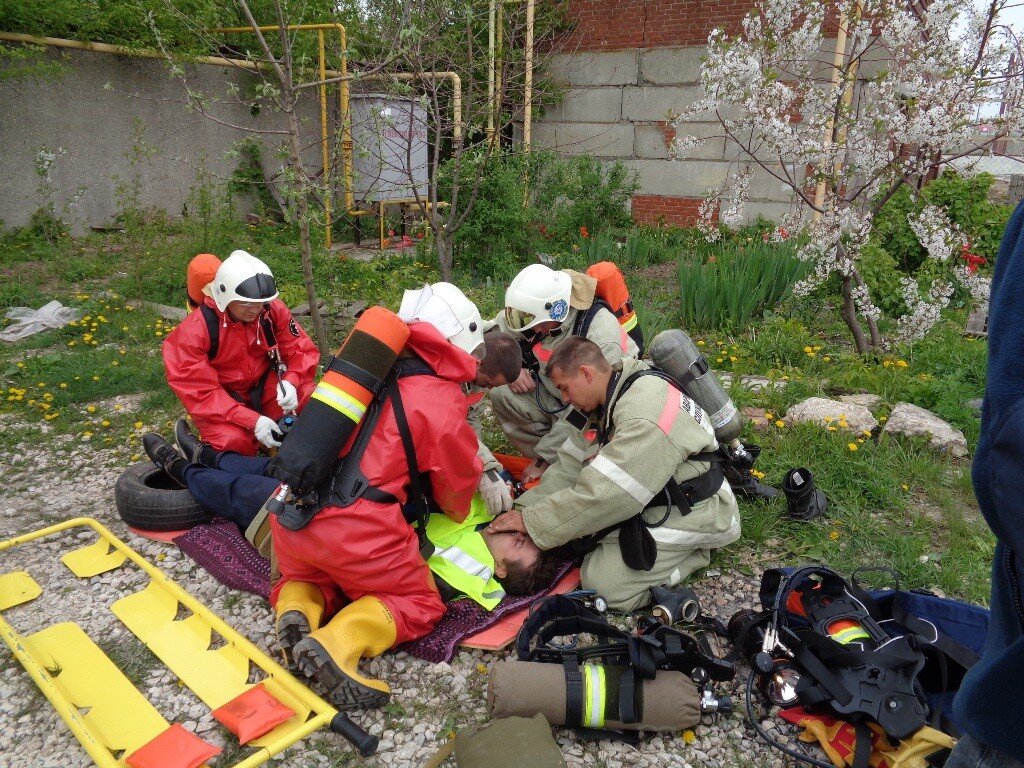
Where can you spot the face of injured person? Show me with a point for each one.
(511, 549)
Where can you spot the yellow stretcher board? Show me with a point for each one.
(103, 709)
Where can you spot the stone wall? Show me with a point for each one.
(117, 124)
(617, 106)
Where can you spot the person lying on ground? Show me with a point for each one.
(650, 506)
(240, 361)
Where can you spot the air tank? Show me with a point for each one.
(674, 352)
(389, 139)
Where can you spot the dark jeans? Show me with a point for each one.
(971, 753)
(237, 489)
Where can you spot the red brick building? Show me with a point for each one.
(627, 65)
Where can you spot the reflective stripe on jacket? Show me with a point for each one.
(461, 557)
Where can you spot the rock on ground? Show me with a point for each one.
(866, 399)
(907, 419)
(826, 412)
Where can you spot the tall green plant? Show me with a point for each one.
(729, 285)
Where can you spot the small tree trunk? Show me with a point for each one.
(849, 314)
(445, 252)
(302, 211)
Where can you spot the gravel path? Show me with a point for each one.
(70, 478)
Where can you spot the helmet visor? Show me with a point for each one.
(517, 319)
(259, 287)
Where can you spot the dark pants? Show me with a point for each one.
(237, 489)
(971, 753)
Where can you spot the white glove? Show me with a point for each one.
(495, 492)
(264, 431)
(287, 396)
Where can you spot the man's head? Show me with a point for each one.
(537, 299)
(502, 360)
(578, 368)
(519, 565)
(242, 285)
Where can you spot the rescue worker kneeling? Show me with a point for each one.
(652, 503)
(359, 567)
(240, 361)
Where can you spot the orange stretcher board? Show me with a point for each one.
(501, 634)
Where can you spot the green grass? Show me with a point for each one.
(930, 530)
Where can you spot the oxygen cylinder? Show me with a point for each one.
(337, 406)
(669, 702)
(199, 274)
(674, 353)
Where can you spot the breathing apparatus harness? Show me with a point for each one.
(639, 550)
(640, 656)
(347, 483)
(817, 643)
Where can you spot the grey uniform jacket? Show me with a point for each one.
(656, 429)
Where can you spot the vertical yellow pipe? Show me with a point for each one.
(847, 98)
(490, 70)
(346, 121)
(528, 91)
(325, 150)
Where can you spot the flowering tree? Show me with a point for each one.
(898, 100)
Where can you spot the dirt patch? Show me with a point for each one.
(667, 273)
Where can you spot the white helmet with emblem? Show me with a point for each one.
(538, 294)
(472, 334)
(243, 277)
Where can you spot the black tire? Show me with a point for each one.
(146, 498)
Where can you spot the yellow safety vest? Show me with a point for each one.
(461, 557)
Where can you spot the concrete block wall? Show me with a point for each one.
(113, 121)
(628, 65)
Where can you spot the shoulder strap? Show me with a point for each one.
(212, 329)
(582, 325)
(268, 328)
(629, 382)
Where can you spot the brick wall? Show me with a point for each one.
(611, 25)
(664, 209)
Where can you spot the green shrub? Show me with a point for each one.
(966, 202)
(728, 285)
(566, 197)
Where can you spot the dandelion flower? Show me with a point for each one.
(901, 363)
(63, 385)
(780, 423)
(808, 350)
(905, 487)
(689, 736)
(852, 446)
(834, 535)
(91, 408)
(826, 359)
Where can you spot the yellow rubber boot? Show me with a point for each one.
(300, 609)
(330, 655)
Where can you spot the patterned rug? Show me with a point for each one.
(222, 550)
(464, 618)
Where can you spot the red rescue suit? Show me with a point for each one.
(215, 392)
(368, 548)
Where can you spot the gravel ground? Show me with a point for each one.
(69, 478)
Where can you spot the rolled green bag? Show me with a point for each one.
(525, 688)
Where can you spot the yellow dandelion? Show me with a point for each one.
(905, 487)
(826, 359)
(115, 362)
(105, 423)
(901, 363)
(833, 429)
(883, 418)
(481, 668)
(834, 535)
(718, 359)
(86, 435)
(769, 415)
(808, 350)
(689, 736)
(137, 425)
(852, 446)
(811, 354)
(828, 419)
(91, 408)
(732, 358)
(63, 385)
(135, 457)
(886, 363)
(95, 378)
(124, 327)
(817, 348)
(780, 423)
(866, 433)
(700, 342)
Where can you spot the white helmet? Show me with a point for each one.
(537, 295)
(472, 335)
(243, 277)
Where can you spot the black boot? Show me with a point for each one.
(804, 501)
(193, 449)
(165, 456)
(736, 468)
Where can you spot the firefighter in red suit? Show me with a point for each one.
(240, 361)
(360, 566)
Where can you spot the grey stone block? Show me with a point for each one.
(655, 102)
(650, 141)
(770, 211)
(765, 187)
(594, 68)
(601, 139)
(671, 66)
(678, 178)
(588, 105)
